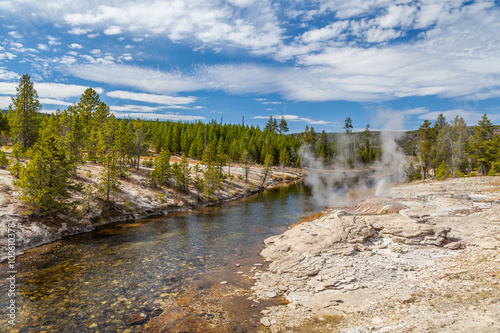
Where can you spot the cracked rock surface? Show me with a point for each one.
(426, 259)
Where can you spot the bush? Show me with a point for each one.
(148, 163)
(4, 162)
(459, 174)
(443, 171)
(495, 168)
(412, 173)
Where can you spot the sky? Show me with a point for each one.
(313, 62)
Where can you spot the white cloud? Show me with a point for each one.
(325, 33)
(75, 46)
(43, 47)
(15, 34)
(208, 22)
(113, 30)
(79, 31)
(151, 98)
(7, 75)
(53, 40)
(52, 101)
(350, 56)
(5, 102)
(295, 118)
(160, 116)
(7, 55)
(93, 35)
(470, 116)
(61, 91)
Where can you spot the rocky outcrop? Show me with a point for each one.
(390, 251)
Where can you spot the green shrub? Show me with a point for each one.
(412, 173)
(459, 174)
(495, 168)
(4, 162)
(443, 171)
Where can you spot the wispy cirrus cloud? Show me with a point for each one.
(151, 98)
(295, 118)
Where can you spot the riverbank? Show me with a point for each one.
(425, 258)
(134, 200)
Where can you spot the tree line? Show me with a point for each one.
(47, 149)
(452, 149)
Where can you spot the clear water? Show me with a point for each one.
(93, 282)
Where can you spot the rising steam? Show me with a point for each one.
(331, 184)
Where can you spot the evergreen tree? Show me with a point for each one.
(23, 113)
(139, 134)
(267, 169)
(108, 182)
(426, 137)
(246, 161)
(480, 144)
(182, 173)
(44, 182)
(283, 126)
(199, 185)
(4, 161)
(271, 125)
(17, 153)
(162, 171)
(348, 125)
(4, 128)
(89, 101)
(284, 159)
(213, 181)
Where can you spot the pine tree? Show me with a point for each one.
(182, 173)
(283, 126)
(271, 124)
(267, 170)
(213, 181)
(4, 128)
(4, 161)
(17, 153)
(426, 137)
(284, 159)
(23, 113)
(108, 182)
(139, 133)
(246, 161)
(480, 144)
(162, 170)
(44, 182)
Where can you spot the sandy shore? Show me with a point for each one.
(135, 200)
(424, 259)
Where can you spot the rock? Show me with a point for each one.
(152, 311)
(485, 244)
(455, 245)
(265, 321)
(137, 319)
(271, 294)
(223, 282)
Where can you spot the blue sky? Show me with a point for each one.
(391, 64)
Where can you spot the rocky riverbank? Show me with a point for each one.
(425, 258)
(135, 200)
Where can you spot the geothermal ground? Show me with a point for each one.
(424, 259)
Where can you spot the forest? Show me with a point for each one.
(46, 150)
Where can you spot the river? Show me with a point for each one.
(94, 282)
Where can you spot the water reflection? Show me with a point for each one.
(95, 281)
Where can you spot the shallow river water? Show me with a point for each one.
(94, 282)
